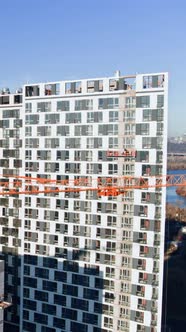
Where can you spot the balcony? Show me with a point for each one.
(140, 293)
(143, 281)
(143, 254)
(154, 296)
(153, 322)
(157, 216)
(154, 309)
(107, 300)
(156, 256)
(110, 326)
(140, 328)
(139, 319)
(141, 267)
(155, 282)
(108, 312)
(142, 307)
(143, 241)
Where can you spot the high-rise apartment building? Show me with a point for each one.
(75, 261)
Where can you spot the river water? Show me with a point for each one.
(172, 197)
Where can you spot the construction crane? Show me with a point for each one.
(104, 186)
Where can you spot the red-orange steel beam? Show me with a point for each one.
(105, 186)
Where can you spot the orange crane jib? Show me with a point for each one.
(104, 186)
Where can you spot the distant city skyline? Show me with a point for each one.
(59, 40)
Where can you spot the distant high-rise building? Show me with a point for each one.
(77, 261)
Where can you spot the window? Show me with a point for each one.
(69, 314)
(44, 107)
(108, 322)
(152, 142)
(142, 156)
(144, 250)
(113, 116)
(126, 249)
(52, 89)
(51, 142)
(11, 114)
(147, 115)
(50, 262)
(154, 81)
(41, 296)
(159, 129)
(127, 236)
(41, 273)
(106, 103)
(113, 143)
(71, 143)
(26, 314)
(49, 286)
(49, 309)
(147, 82)
(18, 99)
(58, 322)
(27, 326)
(85, 130)
(90, 318)
(128, 169)
(44, 131)
(28, 154)
(79, 304)
(144, 224)
(111, 129)
(31, 91)
(60, 299)
(128, 142)
(78, 327)
(26, 270)
(94, 86)
(128, 116)
(160, 101)
(62, 155)
(127, 222)
(83, 105)
(129, 129)
(28, 107)
(30, 282)
(73, 118)
(94, 117)
(142, 129)
(31, 119)
(153, 115)
(113, 84)
(90, 294)
(63, 105)
(73, 87)
(40, 318)
(52, 118)
(31, 142)
(142, 101)
(90, 143)
(130, 102)
(112, 168)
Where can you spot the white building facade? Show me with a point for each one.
(85, 263)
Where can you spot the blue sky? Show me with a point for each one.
(45, 40)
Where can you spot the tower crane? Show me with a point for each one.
(104, 186)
